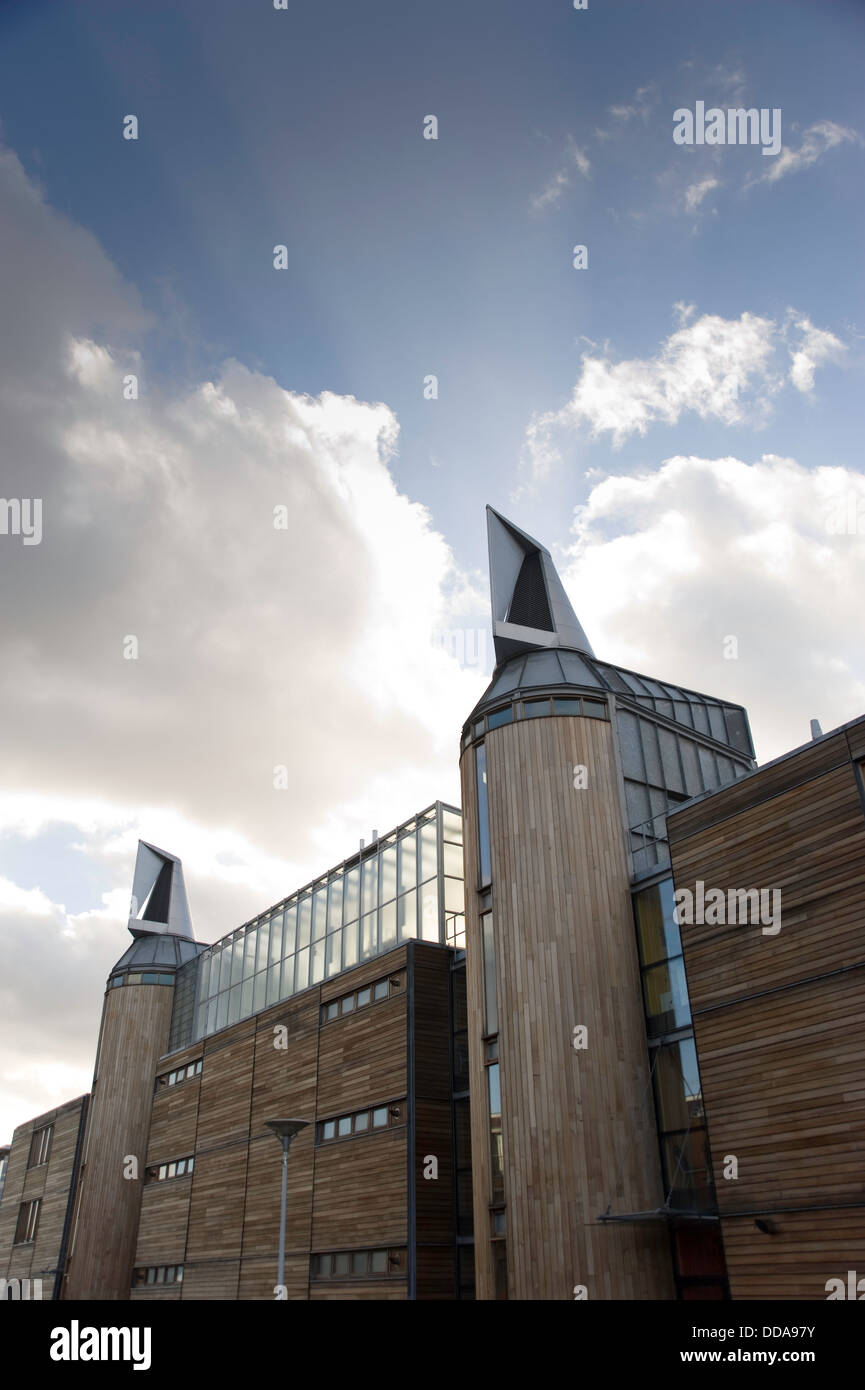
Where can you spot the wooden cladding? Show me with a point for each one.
(135, 1023)
(778, 1017)
(221, 1224)
(578, 1132)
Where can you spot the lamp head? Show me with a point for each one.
(285, 1130)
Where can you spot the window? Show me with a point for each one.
(173, 1078)
(362, 1122)
(178, 1168)
(157, 1274)
(359, 1264)
(494, 1096)
(28, 1220)
(533, 708)
(483, 814)
(501, 716)
(40, 1146)
(564, 706)
(489, 961)
(358, 999)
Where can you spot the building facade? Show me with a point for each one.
(568, 767)
(528, 1063)
(344, 1006)
(776, 977)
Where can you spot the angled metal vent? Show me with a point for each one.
(530, 607)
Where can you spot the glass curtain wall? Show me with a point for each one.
(409, 885)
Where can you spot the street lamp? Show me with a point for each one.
(285, 1130)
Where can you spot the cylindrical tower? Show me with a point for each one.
(562, 1116)
(136, 1018)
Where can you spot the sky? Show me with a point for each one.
(270, 552)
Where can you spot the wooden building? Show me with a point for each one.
(568, 766)
(343, 1006)
(778, 1013)
(36, 1206)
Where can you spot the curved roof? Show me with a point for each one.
(158, 949)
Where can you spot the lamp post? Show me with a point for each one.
(285, 1130)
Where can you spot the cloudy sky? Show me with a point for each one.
(680, 421)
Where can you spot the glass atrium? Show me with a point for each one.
(407, 885)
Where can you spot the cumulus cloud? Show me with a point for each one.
(311, 644)
(817, 140)
(667, 565)
(817, 345)
(717, 368)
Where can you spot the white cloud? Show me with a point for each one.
(721, 369)
(817, 140)
(574, 158)
(817, 346)
(705, 366)
(696, 192)
(668, 564)
(310, 647)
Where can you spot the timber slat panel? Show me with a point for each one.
(135, 1025)
(578, 1127)
(779, 1020)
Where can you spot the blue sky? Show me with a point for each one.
(675, 422)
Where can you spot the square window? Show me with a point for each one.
(172, 1170)
(379, 1117)
(328, 1129)
(331, 1011)
(594, 709)
(160, 1274)
(189, 1165)
(163, 1171)
(363, 997)
(344, 1125)
(361, 1122)
(378, 1261)
(348, 1004)
(181, 1167)
(532, 709)
(151, 1275)
(501, 716)
(359, 1261)
(380, 990)
(341, 1264)
(324, 1266)
(566, 706)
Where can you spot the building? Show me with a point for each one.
(568, 766)
(777, 994)
(529, 1063)
(38, 1174)
(343, 1005)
